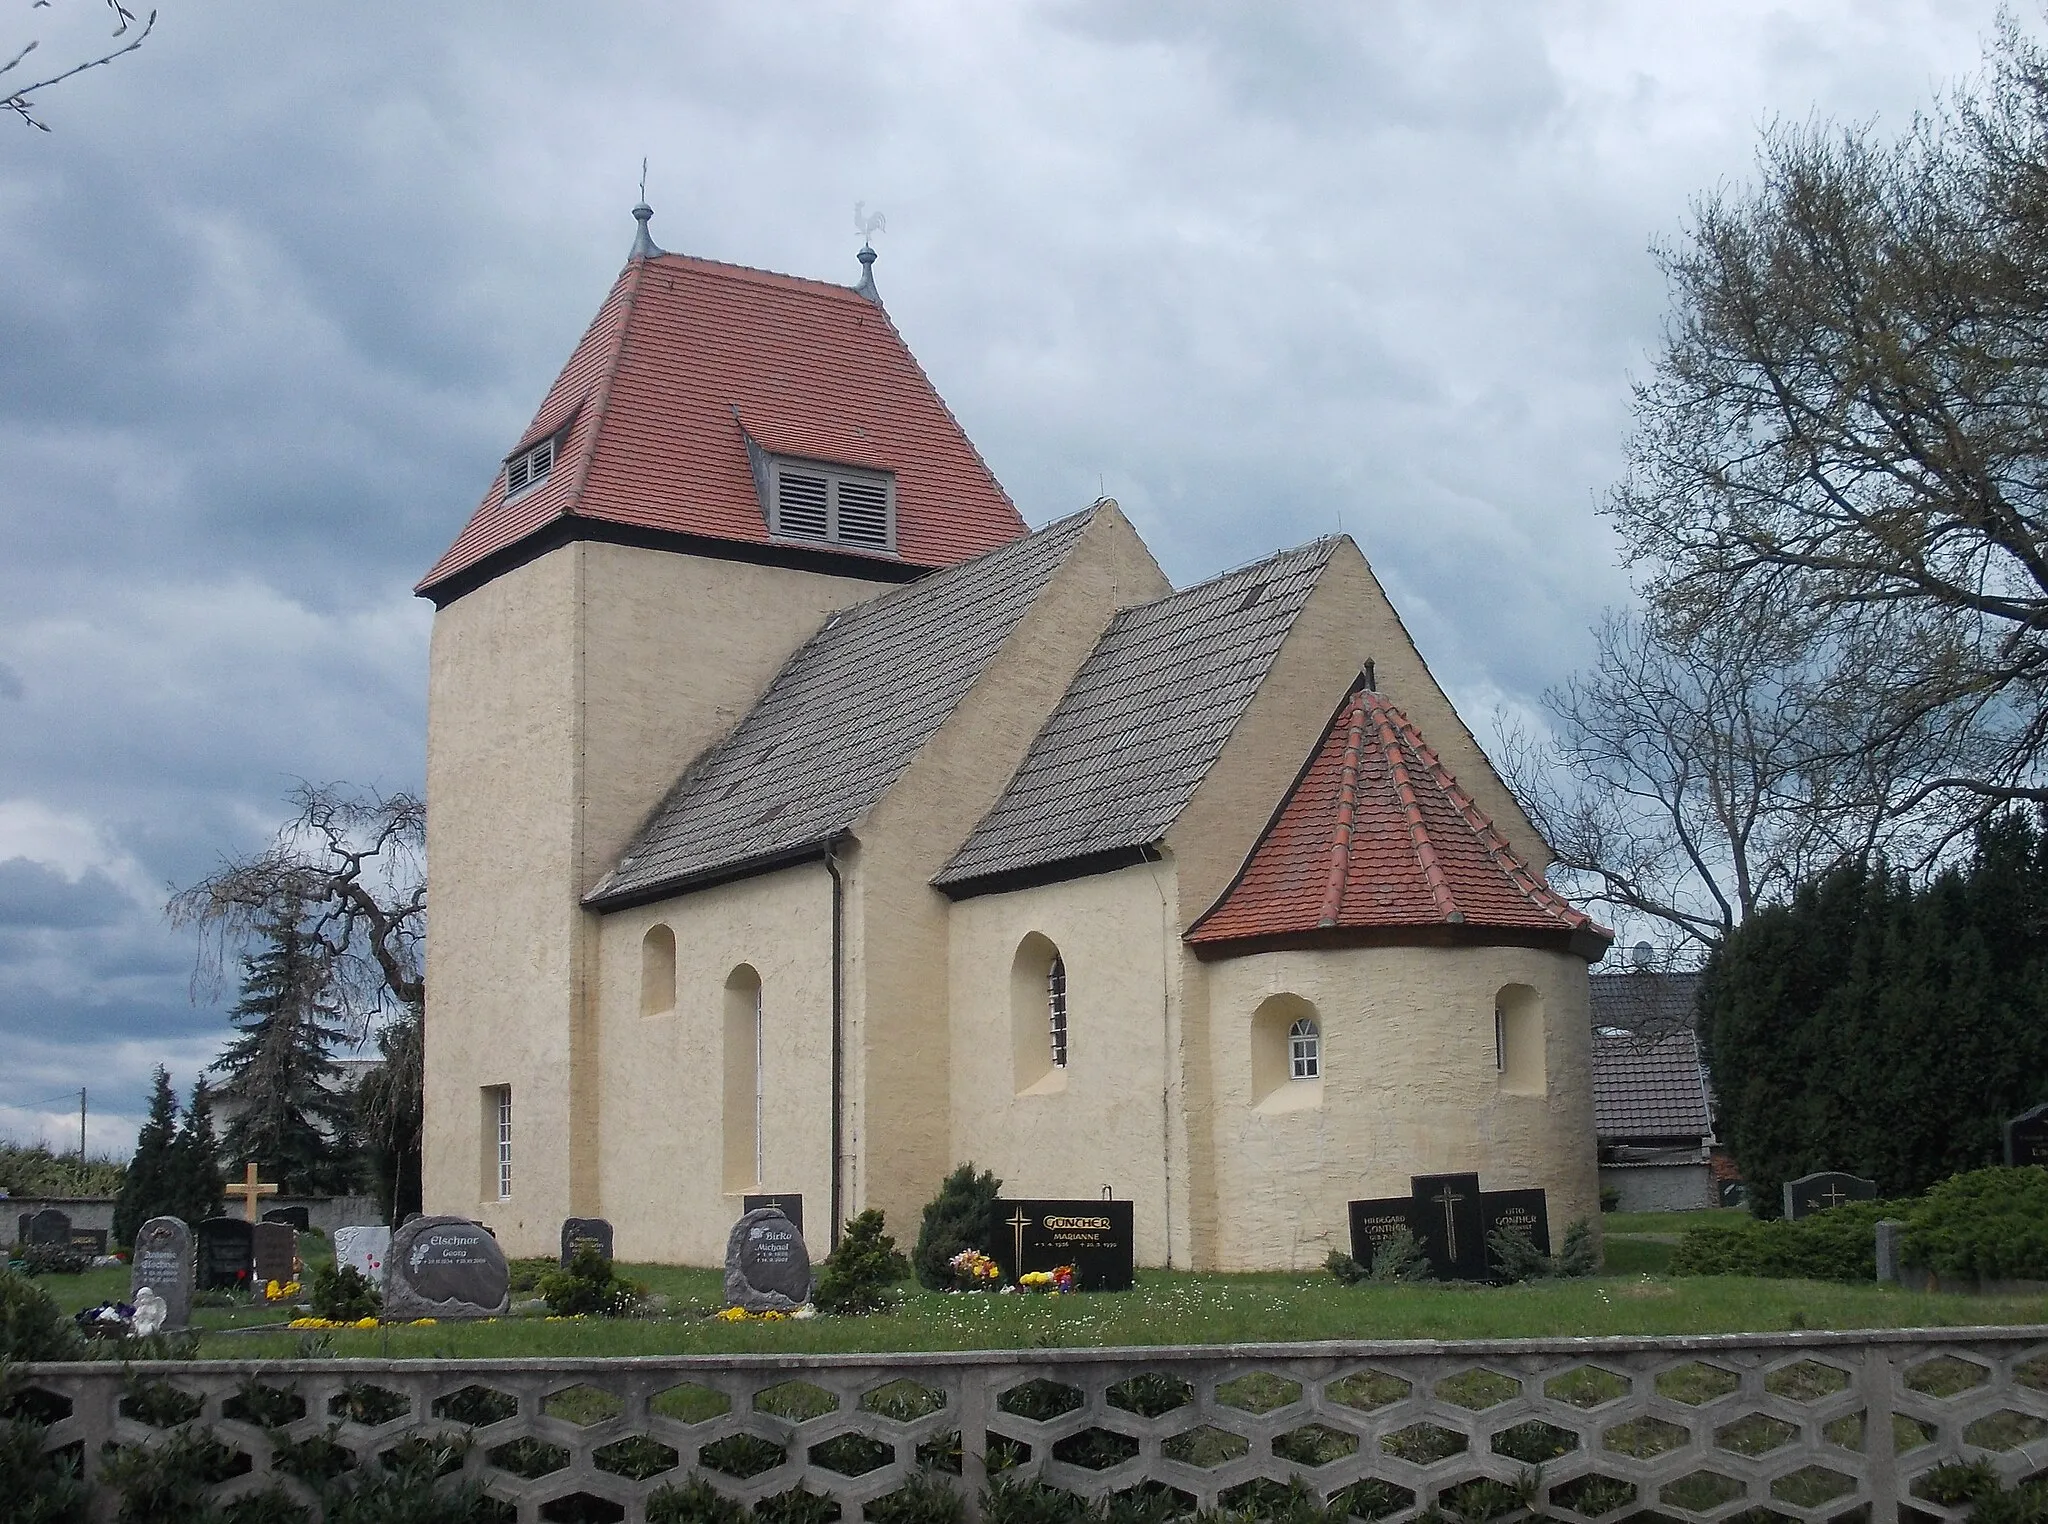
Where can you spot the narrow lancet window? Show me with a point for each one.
(1056, 1009)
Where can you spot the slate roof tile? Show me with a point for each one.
(1646, 1002)
(1377, 833)
(1648, 1088)
(1143, 720)
(840, 722)
(687, 353)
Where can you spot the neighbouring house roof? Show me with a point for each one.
(1648, 1088)
(685, 360)
(839, 723)
(1646, 1002)
(1376, 836)
(1140, 725)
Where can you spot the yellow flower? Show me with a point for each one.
(366, 1322)
(422, 1322)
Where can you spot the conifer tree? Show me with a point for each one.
(288, 1115)
(146, 1190)
(195, 1181)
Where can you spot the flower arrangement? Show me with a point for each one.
(974, 1271)
(273, 1292)
(741, 1315)
(1057, 1281)
(353, 1323)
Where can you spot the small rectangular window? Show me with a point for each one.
(498, 1141)
(529, 467)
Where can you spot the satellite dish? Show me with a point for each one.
(1641, 955)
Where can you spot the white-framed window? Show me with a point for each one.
(1304, 1051)
(1056, 1009)
(499, 1099)
(837, 505)
(530, 467)
(1500, 1039)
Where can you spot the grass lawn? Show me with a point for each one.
(1167, 1308)
(1631, 1223)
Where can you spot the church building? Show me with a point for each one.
(801, 821)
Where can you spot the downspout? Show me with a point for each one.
(838, 1033)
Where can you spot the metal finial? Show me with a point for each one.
(644, 246)
(867, 227)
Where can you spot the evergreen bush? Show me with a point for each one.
(39, 1487)
(54, 1259)
(588, 1287)
(1399, 1258)
(1839, 1244)
(857, 1275)
(1991, 1224)
(147, 1189)
(964, 1215)
(31, 1326)
(343, 1294)
(1348, 1271)
(192, 1167)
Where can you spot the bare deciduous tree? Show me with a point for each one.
(22, 98)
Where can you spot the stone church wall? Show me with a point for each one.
(1409, 1086)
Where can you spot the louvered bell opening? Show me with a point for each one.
(524, 470)
(863, 513)
(800, 505)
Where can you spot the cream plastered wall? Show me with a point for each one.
(564, 698)
(664, 1075)
(900, 1138)
(1105, 1119)
(1409, 1087)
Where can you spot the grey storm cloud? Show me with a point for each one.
(283, 286)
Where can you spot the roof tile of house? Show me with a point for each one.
(685, 359)
(1648, 1088)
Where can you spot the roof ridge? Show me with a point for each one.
(1326, 542)
(600, 394)
(939, 576)
(1411, 811)
(755, 274)
(1347, 799)
(1498, 847)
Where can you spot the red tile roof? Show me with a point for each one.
(687, 357)
(1376, 836)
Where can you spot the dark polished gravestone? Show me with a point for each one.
(790, 1205)
(297, 1217)
(1098, 1238)
(767, 1267)
(1827, 1188)
(273, 1251)
(2026, 1137)
(49, 1226)
(226, 1253)
(1451, 1219)
(163, 1262)
(445, 1267)
(91, 1241)
(577, 1231)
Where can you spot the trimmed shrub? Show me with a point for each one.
(54, 1259)
(344, 1294)
(31, 1326)
(962, 1216)
(1990, 1223)
(857, 1275)
(1839, 1244)
(589, 1286)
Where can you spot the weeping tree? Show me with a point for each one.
(349, 869)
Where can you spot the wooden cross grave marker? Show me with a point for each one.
(251, 1192)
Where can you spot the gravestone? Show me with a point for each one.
(163, 1262)
(2026, 1137)
(767, 1267)
(445, 1267)
(297, 1217)
(91, 1241)
(577, 1231)
(21, 1227)
(226, 1253)
(364, 1248)
(1889, 1234)
(790, 1205)
(273, 1250)
(49, 1226)
(1827, 1188)
(1450, 1226)
(1095, 1237)
(1451, 1219)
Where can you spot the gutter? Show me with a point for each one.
(838, 1034)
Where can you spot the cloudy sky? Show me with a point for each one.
(277, 292)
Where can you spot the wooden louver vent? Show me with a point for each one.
(529, 467)
(839, 507)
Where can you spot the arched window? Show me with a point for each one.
(1286, 1055)
(1056, 1008)
(657, 971)
(1518, 1040)
(1038, 1017)
(1304, 1051)
(744, 1091)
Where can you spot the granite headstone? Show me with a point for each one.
(365, 1248)
(297, 1217)
(1449, 1225)
(1828, 1188)
(163, 1262)
(1096, 1237)
(767, 1267)
(445, 1267)
(1375, 1222)
(1526, 1211)
(49, 1226)
(91, 1241)
(789, 1203)
(577, 1231)
(1451, 1219)
(1890, 1234)
(273, 1251)
(2026, 1137)
(226, 1253)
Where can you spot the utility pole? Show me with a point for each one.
(81, 1124)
